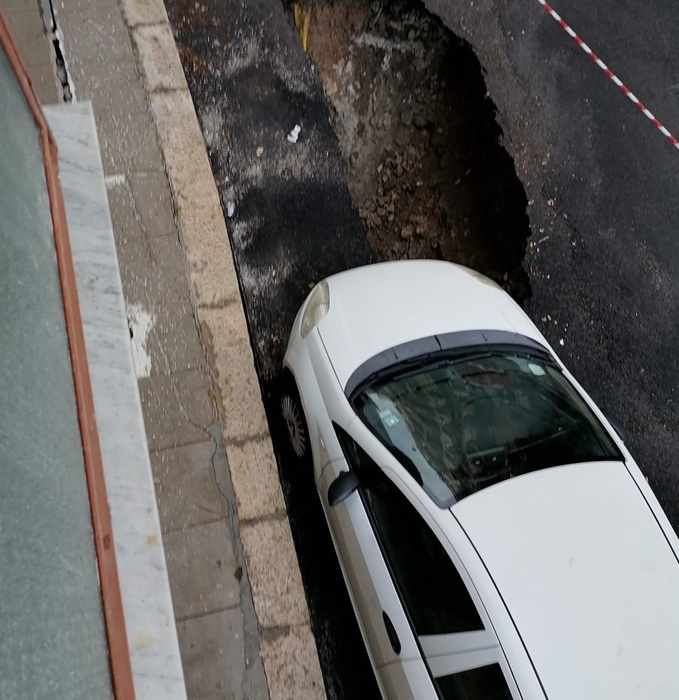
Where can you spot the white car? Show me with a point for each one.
(495, 535)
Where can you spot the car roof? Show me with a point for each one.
(378, 307)
(587, 576)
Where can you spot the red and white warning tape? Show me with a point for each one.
(609, 72)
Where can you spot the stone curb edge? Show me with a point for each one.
(287, 643)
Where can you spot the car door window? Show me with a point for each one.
(432, 590)
(485, 683)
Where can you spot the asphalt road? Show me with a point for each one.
(603, 183)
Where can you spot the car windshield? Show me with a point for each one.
(460, 425)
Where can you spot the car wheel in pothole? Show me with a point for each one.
(295, 430)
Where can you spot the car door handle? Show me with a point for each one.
(391, 633)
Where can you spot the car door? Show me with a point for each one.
(419, 618)
(461, 653)
(378, 606)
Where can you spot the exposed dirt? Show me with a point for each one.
(426, 168)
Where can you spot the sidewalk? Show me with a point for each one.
(241, 614)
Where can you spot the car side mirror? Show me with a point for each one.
(618, 427)
(343, 486)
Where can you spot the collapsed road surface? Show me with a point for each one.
(425, 166)
(381, 143)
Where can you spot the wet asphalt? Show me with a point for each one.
(600, 180)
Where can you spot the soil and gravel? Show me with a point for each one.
(426, 168)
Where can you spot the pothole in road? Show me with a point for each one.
(418, 132)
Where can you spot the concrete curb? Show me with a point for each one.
(287, 644)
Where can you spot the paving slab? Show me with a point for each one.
(151, 195)
(144, 12)
(254, 473)
(226, 336)
(127, 145)
(219, 637)
(184, 146)
(172, 342)
(288, 682)
(119, 94)
(93, 35)
(177, 409)
(80, 6)
(274, 575)
(158, 58)
(161, 277)
(208, 252)
(186, 489)
(203, 574)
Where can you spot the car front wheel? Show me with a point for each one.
(296, 432)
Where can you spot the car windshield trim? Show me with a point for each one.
(458, 343)
(460, 422)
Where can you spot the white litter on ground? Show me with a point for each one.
(294, 134)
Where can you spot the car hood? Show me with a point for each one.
(588, 577)
(381, 306)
